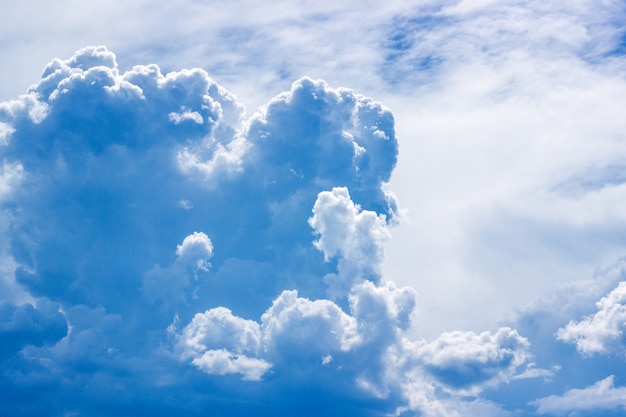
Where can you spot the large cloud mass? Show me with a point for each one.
(156, 236)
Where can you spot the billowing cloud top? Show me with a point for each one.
(166, 254)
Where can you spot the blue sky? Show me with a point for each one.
(313, 208)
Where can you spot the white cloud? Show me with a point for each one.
(186, 115)
(468, 362)
(356, 236)
(494, 100)
(602, 332)
(383, 311)
(291, 331)
(5, 133)
(195, 251)
(520, 97)
(603, 395)
(295, 327)
(10, 176)
(169, 285)
(222, 362)
(219, 328)
(217, 342)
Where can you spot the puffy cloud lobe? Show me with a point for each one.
(336, 135)
(297, 335)
(292, 330)
(601, 396)
(222, 362)
(37, 325)
(466, 360)
(195, 251)
(168, 285)
(602, 332)
(295, 327)
(356, 236)
(382, 311)
(103, 161)
(116, 153)
(219, 328)
(220, 343)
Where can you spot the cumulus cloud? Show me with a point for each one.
(468, 361)
(368, 345)
(602, 332)
(35, 325)
(168, 285)
(143, 203)
(219, 343)
(298, 327)
(106, 176)
(223, 362)
(353, 235)
(293, 330)
(599, 397)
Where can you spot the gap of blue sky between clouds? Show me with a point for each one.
(165, 253)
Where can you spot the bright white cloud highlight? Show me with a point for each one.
(602, 332)
(195, 251)
(220, 343)
(169, 285)
(468, 361)
(353, 235)
(295, 327)
(603, 395)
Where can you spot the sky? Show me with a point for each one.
(401, 208)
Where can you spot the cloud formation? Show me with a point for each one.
(602, 396)
(467, 361)
(166, 249)
(602, 332)
(135, 200)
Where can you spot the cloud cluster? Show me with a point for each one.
(368, 345)
(167, 246)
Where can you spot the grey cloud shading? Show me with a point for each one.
(35, 325)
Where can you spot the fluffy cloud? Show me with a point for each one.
(465, 360)
(295, 327)
(369, 346)
(107, 175)
(121, 187)
(353, 235)
(36, 325)
(600, 397)
(294, 330)
(168, 285)
(602, 332)
(220, 343)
